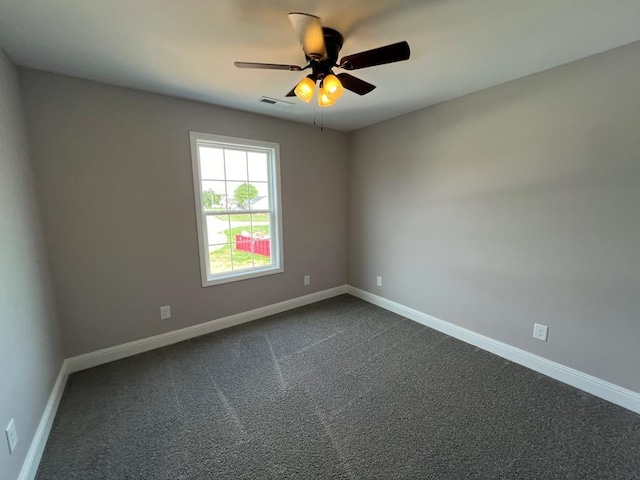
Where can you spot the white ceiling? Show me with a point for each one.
(186, 48)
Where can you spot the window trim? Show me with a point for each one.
(277, 250)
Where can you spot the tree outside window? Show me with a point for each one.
(210, 199)
(244, 194)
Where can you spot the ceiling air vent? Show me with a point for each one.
(275, 102)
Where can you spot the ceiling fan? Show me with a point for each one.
(321, 46)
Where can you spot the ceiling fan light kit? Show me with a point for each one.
(332, 87)
(330, 90)
(305, 89)
(323, 99)
(321, 46)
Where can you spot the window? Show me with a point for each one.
(237, 193)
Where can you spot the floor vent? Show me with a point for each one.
(275, 102)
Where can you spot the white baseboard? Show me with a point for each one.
(590, 384)
(36, 449)
(92, 359)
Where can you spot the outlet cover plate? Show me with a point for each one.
(540, 332)
(307, 279)
(165, 312)
(12, 436)
(379, 281)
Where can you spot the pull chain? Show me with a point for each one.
(314, 115)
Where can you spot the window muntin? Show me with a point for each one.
(236, 184)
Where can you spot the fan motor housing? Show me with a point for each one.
(333, 43)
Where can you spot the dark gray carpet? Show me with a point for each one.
(338, 389)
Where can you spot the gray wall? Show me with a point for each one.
(30, 346)
(114, 169)
(514, 205)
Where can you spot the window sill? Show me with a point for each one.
(237, 277)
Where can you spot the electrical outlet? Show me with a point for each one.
(307, 279)
(165, 312)
(540, 332)
(12, 436)
(379, 281)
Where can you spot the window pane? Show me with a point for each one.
(261, 201)
(219, 258)
(211, 163)
(217, 229)
(243, 241)
(213, 195)
(257, 166)
(236, 165)
(242, 254)
(240, 225)
(260, 220)
(261, 233)
(241, 194)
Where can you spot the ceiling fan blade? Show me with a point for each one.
(355, 84)
(309, 30)
(395, 52)
(292, 93)
(268, 66)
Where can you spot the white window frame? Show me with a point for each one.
(276, 244)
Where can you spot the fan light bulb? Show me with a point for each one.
(305, 88)
(332, 87)
(323, 98)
